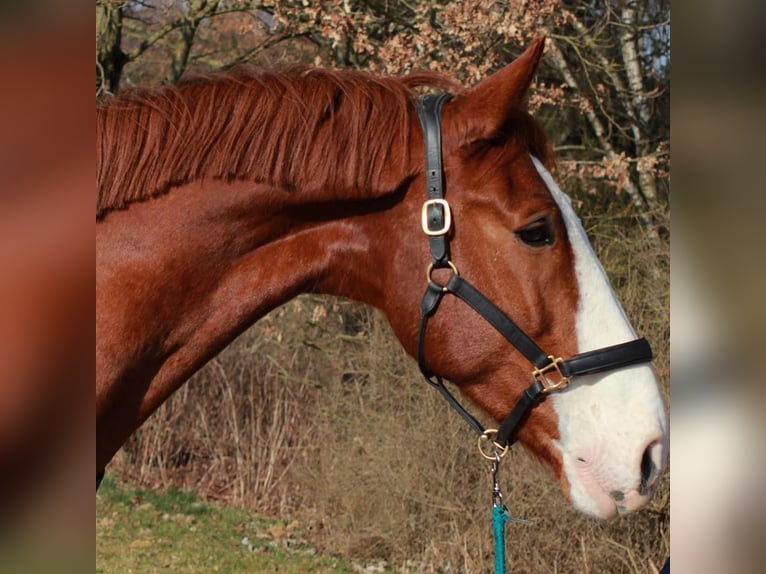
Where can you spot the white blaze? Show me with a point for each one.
(606, 421)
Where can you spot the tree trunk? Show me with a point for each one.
(110, 58)
(198, 10)
(643, 208)
(632, 63)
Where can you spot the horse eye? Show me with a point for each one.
(536, 234)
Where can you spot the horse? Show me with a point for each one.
(225, 196)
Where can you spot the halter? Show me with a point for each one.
(550, 373)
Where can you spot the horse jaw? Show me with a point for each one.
(613, 427)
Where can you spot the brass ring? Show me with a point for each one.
(498, 450)
(430, 270)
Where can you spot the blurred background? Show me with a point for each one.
(718, 284)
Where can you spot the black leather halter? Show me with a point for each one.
(549, 373)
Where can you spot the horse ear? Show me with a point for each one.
(480, 112)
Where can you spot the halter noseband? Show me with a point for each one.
(550, 373)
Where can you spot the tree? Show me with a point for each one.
(110, 58)
(614, 59)
(164, 39)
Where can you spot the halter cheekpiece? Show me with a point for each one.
(550, 373)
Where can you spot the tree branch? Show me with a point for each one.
(633, 192)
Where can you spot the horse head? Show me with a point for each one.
(515, 236)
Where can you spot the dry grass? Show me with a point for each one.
(317, 412)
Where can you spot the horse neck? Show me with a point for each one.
(230, 253)
(180, 276)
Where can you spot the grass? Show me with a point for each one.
(141, 531)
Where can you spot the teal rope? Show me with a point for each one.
(499, 518)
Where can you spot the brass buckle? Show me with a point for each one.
(543, 375)
(444, 229)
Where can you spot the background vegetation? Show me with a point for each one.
(315, 412)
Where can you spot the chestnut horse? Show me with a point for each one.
(226, 196)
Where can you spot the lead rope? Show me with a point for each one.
(500, 516)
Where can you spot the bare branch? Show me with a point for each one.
(601, 134)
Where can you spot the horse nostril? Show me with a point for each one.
(617, 495)
(649, 466)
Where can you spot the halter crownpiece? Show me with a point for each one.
(550, 373)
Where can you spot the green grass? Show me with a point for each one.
(140, 531)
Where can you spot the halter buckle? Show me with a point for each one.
(444, 229)
(543, 375)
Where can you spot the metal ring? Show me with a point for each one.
(498, 450)
(430, 270)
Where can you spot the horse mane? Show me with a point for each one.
(313, 129)
(282, 128)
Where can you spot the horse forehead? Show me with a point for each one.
(506, 177)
